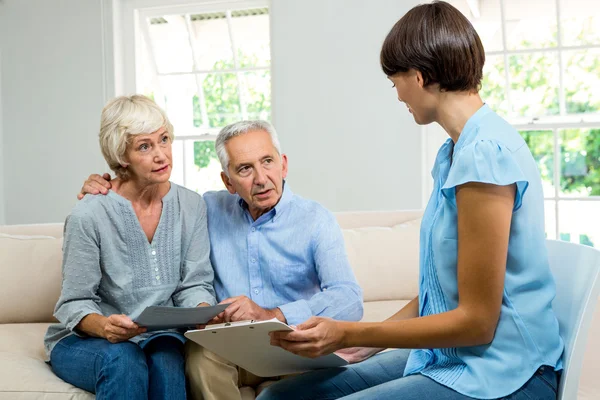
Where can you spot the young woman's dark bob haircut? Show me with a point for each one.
(439, 41)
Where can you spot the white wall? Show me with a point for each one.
(351, 145)
(53, 88)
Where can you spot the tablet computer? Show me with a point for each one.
(248, 345)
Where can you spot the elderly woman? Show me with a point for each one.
(482, 325)
(145, 244)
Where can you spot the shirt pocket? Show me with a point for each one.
(292, 278)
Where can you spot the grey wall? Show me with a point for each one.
(2, 217)
(52, 76)
(351, 145)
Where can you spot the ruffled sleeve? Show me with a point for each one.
(485, 161)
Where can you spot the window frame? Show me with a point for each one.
(433, 136)
(131, 58)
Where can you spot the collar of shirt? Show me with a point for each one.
(280, 207)
(449, 149)
(470, 128)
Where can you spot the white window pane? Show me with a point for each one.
(582, 81)
(534, 84)
(177, 171)
(486, 20)
(541, 145)
(170, 44)
(550, 215)
(493, 86)
(250, 30)
(179, 91)
(221, 91)
(578, 222)
(202, 168)
(212, 44)
(580, 22)
(530, 24)
(257, 92)
(580, 162)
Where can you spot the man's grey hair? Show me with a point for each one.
(240, 128)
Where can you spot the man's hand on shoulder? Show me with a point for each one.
(242, 308)
(95, 184)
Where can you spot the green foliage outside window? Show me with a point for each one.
(204, 151)
(223, 107)
(534, 76)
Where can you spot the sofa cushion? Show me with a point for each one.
(31, 277)
(385, 260)
(377, 311)
(24, 373)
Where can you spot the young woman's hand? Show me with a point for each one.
(313, 338)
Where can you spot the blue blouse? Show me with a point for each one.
(490, 151)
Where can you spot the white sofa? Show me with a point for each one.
(383, 251)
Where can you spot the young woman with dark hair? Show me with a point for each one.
(482, 325)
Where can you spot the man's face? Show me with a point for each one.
(256, 171)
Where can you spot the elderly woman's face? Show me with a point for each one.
(149, 157)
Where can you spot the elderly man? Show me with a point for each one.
(275, 254)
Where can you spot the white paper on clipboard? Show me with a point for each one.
(247, 344)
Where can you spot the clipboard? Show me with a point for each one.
(248, 345)
(156, 318)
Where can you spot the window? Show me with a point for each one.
(542, 74)
(207, 67)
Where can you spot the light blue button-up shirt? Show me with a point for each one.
(490, 151)
(292, 257)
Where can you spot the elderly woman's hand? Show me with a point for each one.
(119, 328)
(313, 338)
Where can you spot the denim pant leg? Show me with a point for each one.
(110, 370)
(166, 366)
(543, 385)
(333, 383)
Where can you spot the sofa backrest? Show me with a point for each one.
(30, 263)
(383, 248)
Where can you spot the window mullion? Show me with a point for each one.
(236, 64)
(505, 57)
(556, 178)
(199, 80)
(561, 85)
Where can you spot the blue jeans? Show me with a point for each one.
(381, 377)
(122, 370)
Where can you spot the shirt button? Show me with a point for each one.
(253, 229)
(158, 278)
(153, 252)
(253, 260)
(156, 269)
(256, 291)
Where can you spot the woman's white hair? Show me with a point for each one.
(123, 117)
(239, 128)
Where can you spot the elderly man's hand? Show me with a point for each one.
(95, 184)
(119, 328)
(242, 308)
